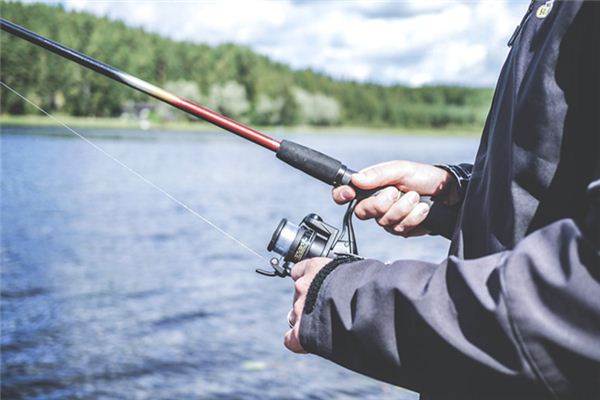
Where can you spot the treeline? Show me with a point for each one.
(228, 78)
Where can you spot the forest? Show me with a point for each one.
(227, 78)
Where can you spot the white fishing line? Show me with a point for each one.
(137, 174)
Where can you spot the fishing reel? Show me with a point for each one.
(312, 238)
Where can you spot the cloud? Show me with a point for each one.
(413, 42)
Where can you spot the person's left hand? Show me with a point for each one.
(303, 274)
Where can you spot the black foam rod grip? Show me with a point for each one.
(318, 165)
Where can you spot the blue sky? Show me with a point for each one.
(410, 42)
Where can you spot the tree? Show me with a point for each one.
(317, 109)
(228, 99)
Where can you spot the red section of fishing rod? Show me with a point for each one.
(229, 124)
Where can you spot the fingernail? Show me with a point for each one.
(424, 209)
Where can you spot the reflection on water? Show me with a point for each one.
(111, 290)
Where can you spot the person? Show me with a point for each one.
(514, 311)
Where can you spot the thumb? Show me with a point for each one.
(385, 174)
(405, 175)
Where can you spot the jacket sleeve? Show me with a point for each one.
(443, 217)
(523, 323)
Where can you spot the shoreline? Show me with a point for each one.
(204, 127)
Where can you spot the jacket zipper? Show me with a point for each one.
(515, 34)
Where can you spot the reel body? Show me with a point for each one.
(313, 237)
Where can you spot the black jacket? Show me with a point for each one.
(514, 312)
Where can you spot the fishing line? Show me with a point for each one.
(137, 174)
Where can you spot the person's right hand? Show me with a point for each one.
(398, 208)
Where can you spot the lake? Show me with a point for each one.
(110, 290)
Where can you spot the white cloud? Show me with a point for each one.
(413, 41)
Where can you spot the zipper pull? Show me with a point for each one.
(515, 34)
(513, 37)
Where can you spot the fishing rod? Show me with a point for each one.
(313, 237)
(316, 164)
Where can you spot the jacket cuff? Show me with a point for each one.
(315, 286)
(462, 174)
(312, 327)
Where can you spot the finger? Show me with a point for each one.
(413, 219)
(314, 265)
(343, 194)
(385, 174)
(298, 305)
(292, 341)
(376, 206)
(399, 210)
(298, 270)
(300, 289)
(298, 308)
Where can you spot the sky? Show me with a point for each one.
(413, 42)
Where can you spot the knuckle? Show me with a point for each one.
(411, 198)
(360, 213)
(298, 308)
(414, 195)
(408, 202)
(295, 273)
(397, 213)
(299, 286)
(381, 207)
(402, 212)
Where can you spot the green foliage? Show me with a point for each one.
(229, 99)
(316, 109)
(229, 78)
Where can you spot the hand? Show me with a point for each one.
(303, 274)
(399, 214)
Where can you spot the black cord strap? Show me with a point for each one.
(315, 286)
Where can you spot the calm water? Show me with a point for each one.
(110, 290)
